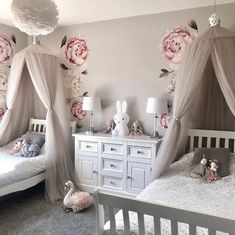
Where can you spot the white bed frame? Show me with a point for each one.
(39, 126)
(198, 138)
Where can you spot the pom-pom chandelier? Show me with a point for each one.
(35, 17)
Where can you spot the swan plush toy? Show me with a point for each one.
(121, 119)
(76, 201)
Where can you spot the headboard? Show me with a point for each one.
(39, 125)
(211, 139)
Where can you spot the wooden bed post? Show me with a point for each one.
(99, 214)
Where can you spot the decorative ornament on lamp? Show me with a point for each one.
(156, 106)
(91, 104)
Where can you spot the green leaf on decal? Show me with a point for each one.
(164, 70)
(13, 38)
(85, 72)
(64, 67)
(162, 75)
(68, 100)
(63, 42)
(192, 24)
(85, 93)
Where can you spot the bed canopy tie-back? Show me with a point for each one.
(177, 119)
(204, 95)
(35, 77)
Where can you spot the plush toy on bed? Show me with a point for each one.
(30, 149)
(212, 171)
(200, 169)
(17, 148)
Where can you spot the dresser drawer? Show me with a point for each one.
(112, 182)
(87, 146)
(137, 151)
(110, 148)
(112, 165)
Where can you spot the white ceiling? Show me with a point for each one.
(83, 11)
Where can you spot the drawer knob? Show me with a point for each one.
(111, 182)
(95, 172)
(88, 146)
(139, 152)
(112, 149)
(128, 177)
(112, 165)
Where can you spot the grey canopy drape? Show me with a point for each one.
(35, 77)
(204, 95)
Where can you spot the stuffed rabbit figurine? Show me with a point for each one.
(121, 119)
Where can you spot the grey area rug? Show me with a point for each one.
(27, 213)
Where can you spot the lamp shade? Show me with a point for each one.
(156, 105)
(91, 104)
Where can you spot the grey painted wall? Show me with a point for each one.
(21, 38)
(21, 42)
(125, 61)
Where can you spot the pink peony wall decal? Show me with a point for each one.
(74, 63)
(7, 48)
(76, 110)
(165, 120)
(76, 51)
(173, 44)
(2, 111)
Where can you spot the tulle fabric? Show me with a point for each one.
(204, 95)
(35, 78)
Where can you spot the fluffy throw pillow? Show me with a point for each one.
(29, 149)
(220, 154)
(34, 138)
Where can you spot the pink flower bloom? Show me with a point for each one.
(3, 81)
(6, 49)
(76, 110)
(174, 43)
(76, 51)
(165, 120)
(2, 112)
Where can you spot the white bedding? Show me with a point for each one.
(16, 168)
(178, 190)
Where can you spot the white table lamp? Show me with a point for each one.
(156, 106)
(91, 104)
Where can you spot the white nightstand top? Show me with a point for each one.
(143, 138)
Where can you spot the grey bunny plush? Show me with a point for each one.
(200, 169)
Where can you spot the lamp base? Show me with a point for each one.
(156, 135)
(91, 131)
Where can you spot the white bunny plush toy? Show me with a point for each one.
(121, 119)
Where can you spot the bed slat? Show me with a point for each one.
(208, 145)
(174, 227)
(192, 229)
(226, 143)
(199, 141)
(126, 220)
(217, 142)
(141, 223)
(157, 225)
(191, 143)
(112, 220)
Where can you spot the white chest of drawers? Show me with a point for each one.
(114, 164)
